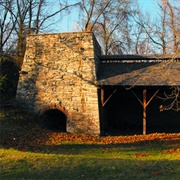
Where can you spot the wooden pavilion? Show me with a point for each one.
(138, 75)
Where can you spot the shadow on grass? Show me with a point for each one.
(57, 167)
(70, 148)
(78, 149)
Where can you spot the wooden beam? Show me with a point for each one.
(137, 57)
(152, 97)
(102, 97)
(149, 99)
(137, 97)
(144, 111)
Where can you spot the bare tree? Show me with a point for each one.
(140, 41)
(162, 30)
(27, 16)
(6, 25)
(114, 31)
(174, 27)
(110, 22)
(93, 10)
(171, 100)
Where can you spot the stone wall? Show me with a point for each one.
(59, 72)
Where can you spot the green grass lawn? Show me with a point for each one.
(82, 161)
(27, 152)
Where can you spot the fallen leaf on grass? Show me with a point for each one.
(172, 151)
(156, 172)
(140, 155)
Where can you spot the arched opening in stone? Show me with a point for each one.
(53, 119)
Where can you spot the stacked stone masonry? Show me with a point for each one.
(59, 72)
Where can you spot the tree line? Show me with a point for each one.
(121, 27)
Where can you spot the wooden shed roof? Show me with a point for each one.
(129, 70)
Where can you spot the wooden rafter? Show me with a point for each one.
(103, 101)
(137, 97)
(149, 99)
(152, 97)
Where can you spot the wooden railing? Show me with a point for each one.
(137, 58)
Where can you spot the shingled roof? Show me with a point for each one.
(129, 70)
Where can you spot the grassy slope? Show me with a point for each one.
(91, 162)
(28, 152)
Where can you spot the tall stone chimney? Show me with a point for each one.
(59, 72)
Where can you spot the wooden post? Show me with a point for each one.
(144, 111)
(102, 97)
(144, 103)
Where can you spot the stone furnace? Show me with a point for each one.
(59, 75)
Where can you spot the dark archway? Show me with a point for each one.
(53, 119)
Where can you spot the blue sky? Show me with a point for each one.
(66, 25)
(69, 21)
